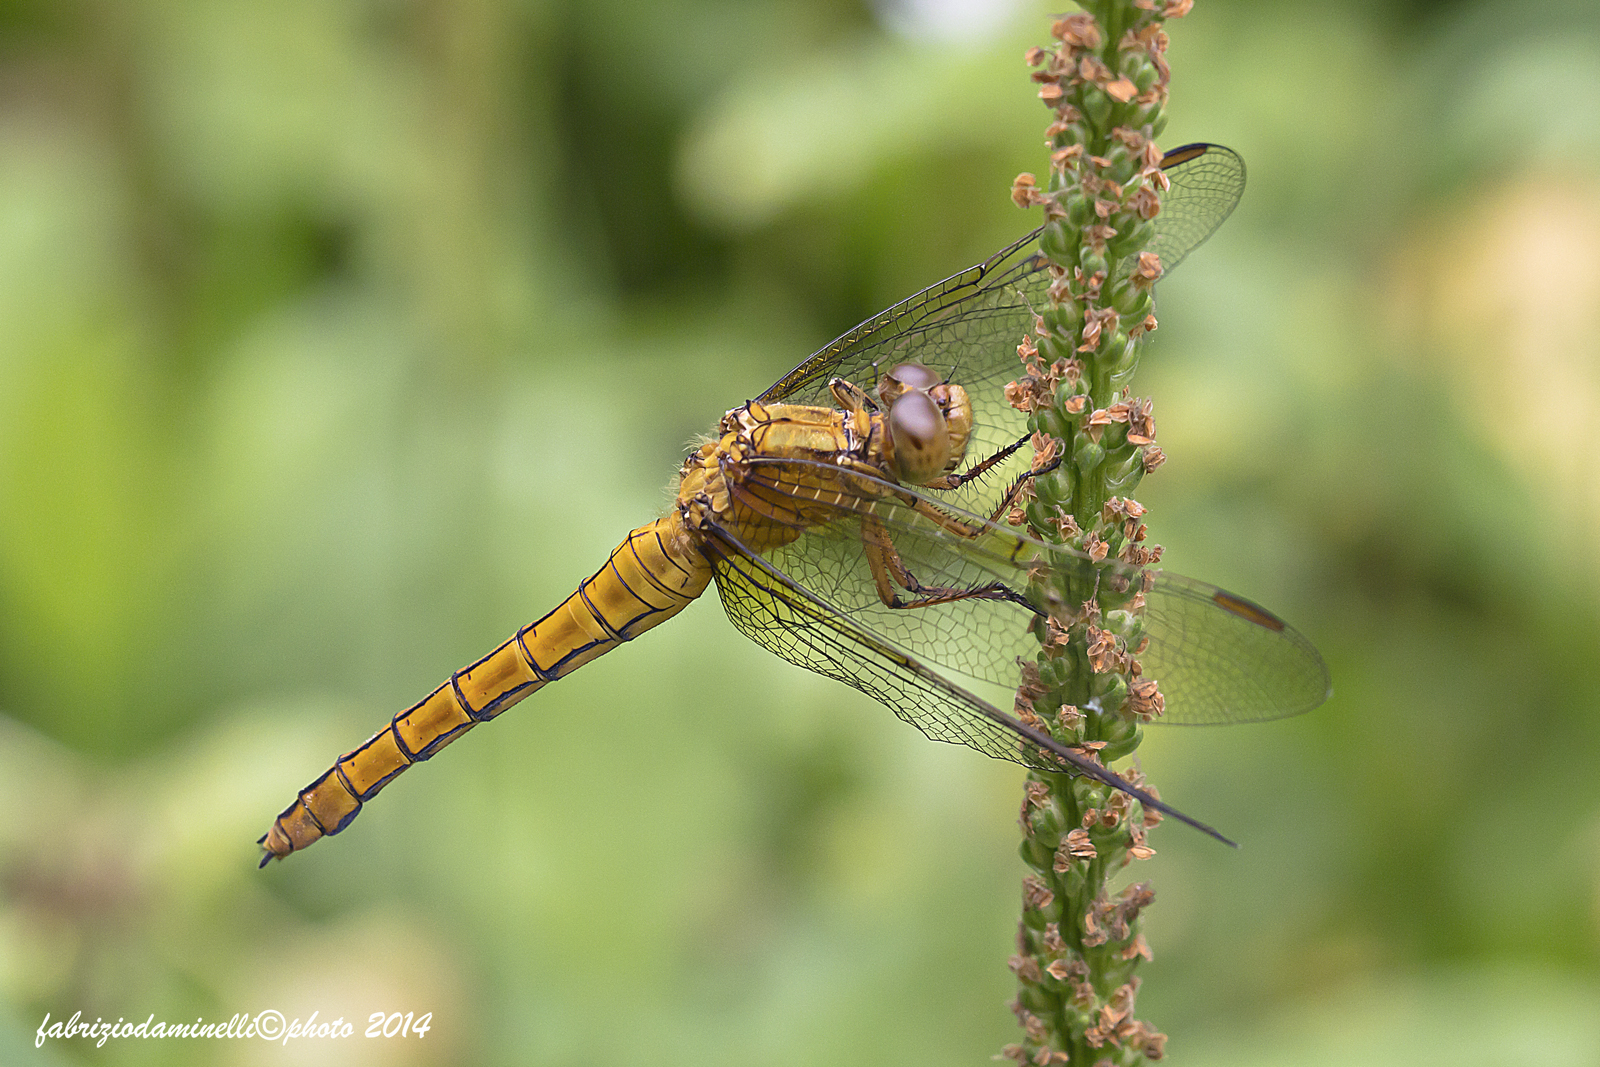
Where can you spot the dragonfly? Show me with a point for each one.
(850, 518)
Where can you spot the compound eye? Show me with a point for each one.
(919, 438)
(915, 376)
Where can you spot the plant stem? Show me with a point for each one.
(1105, 82)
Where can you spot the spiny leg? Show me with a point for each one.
(1010, 498)
(953, 481)
(889, 570)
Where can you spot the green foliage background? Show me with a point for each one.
(338, 339)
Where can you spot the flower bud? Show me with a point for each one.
(1087, 455)
(1138, 68)
(1135, 234)
(1064, 320)
(1112, 690)
(1038, 1000)
(1080, 209)
(1053, 348)
(1096, 106)
(1054, 243)
(1116, 750)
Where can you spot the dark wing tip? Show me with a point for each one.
(1184, 153)
(1208, 830)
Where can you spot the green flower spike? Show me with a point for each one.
(1078, 943)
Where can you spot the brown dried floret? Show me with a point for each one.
(1145, 202)
(1027, 351)
(1147, 272)
(1077, 31)
(1037, 1030)
(1074, 846)
(1168, 9)
(1120, 1006)
(1025, 191)
(1093, 935)
(1025, 968)
(1031, 683)
(1098, 235)
(1092, 68)
(1027, 393)
(1065, 156)
(1045, 450)
(1135, 898)
(1133, 140)
(1145, 700)
(1120, 507)
(1139, 555)
(1096, 321)
(1066, 115)
(1150, 1042)
(1088, 285)
(1122, 90)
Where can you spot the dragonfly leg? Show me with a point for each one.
(889, 570)
(952, 481)
(1008, 501)
(850, 396)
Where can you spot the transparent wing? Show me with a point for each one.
(1207, 181)
(968, 326)
(967, 329)
(790, 621)
(1218, 657)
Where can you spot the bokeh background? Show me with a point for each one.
(339, 339)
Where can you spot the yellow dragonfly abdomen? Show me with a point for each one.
(649, 578)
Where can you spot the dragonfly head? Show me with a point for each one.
(929, 421)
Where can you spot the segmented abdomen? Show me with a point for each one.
(649, 578)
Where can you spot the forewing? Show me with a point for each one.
(1218, 657)
(953, 326)
(967, 327)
